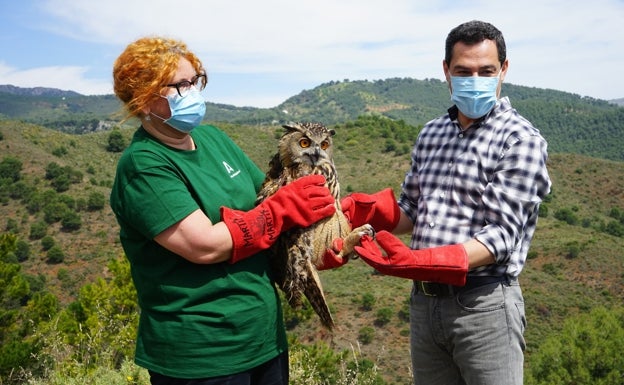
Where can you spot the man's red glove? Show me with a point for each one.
(380, 210)
(300, 203)
(444, 264)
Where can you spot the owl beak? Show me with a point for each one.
(314, 156)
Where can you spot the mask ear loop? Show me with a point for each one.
(160, 117)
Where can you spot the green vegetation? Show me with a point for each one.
(67, 307)
(587, 352)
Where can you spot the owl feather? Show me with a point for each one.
(306, 149)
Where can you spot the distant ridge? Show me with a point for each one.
(35, 91)
(570, 123)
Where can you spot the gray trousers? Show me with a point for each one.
(471, 338)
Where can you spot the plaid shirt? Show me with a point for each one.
(485, 182)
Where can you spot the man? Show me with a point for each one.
(471, 202)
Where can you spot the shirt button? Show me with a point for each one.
(450, 164)
(461, 135)
(431, 224)
(441, 195)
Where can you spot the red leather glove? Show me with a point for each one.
(444, 264)
(380, 210)
(331, 260)
(300, 203)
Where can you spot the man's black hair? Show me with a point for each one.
(474, 32)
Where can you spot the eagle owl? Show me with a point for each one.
(304, 149)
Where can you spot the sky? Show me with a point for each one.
(258, 53)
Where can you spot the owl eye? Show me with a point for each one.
(304, 142)
(324, 145)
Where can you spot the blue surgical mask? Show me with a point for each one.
(474, 96)
(187, 111)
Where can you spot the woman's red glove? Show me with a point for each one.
(300, 203)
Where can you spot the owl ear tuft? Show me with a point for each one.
(292, 126)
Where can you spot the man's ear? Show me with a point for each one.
(504, 68)
(447, 74)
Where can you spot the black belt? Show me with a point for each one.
(433, 289)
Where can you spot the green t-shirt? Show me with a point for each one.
(196, 320)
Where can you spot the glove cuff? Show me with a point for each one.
(251, 231)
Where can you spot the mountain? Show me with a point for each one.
(575, 263)
(36, 91)
(619, 102)
(570, 123)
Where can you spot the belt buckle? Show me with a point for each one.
(422, 286)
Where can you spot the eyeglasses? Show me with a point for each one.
(184, 86)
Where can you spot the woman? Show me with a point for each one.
(184, 199)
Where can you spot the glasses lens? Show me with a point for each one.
(184, 87)
(200, 81)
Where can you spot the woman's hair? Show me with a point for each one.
(145, 67)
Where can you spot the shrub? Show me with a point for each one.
(614, 228)
(59, 151)
(96, 201)
(567, 215)
(54, 212)
(366, 335)
(11, 226)
(55, 254)
(47, 242)
(71, 221)
(38, 230)
(543, 211)
(367, 301)
(10, 168)
(61, 183)
(573, 249)
(19, 190)
(22, 251)
(383, 316)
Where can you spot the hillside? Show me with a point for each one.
(570, 123)
(573, 267)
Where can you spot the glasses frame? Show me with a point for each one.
(187, 84)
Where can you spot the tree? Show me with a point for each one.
(101, 324)
(15, 351)
(588, 351)
(22, 250)
(10, 168)
(54, 211)
(116, 142)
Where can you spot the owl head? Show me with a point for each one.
(306, 143)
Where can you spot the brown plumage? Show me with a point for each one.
(304, 149)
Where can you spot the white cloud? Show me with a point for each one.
(64, 78)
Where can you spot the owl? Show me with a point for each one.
(305, 149)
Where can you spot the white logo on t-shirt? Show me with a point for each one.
(230, 170)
